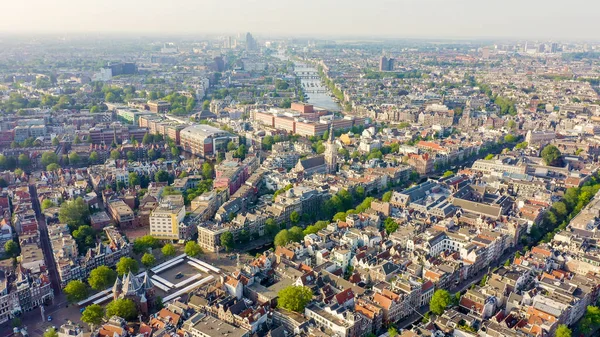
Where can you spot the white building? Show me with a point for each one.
(165, 219)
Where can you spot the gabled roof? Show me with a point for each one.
(344, 296)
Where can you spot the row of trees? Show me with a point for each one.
(94, 314)
(561, 212)
(102, 277)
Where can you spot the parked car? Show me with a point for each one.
(49, 318)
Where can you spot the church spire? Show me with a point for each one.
(331, 152)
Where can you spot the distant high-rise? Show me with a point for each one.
(541, 48)
(554, 47)
(250, 42)
(383, 63)
(123, 68)
(386, 64)
(485, 53)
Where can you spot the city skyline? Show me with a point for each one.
(383, 19)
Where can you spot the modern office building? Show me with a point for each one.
(205, 140)
(386, 64)
(165, 219)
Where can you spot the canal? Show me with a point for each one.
(317, 94)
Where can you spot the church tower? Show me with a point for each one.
(331, 152)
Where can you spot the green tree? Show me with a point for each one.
(74, 212)
(282, 238)
(387, 196)
(390, 225)
(94, 157)
(192, 249)
(76, 291)
(231, 146)
(142, 244)
(281, 84)
(439, 301)
(110, 97)
(591, 319)
(447, 174)
(24, 161)
(55, 141)
(47, 203)
(77, 140)
(102, 277)
(392, 332)
(126, 265)
(227, 241)
(95, 109)
(49, 158)
(295, 217)
(93, 315)
(563, 331)
(11, 248)
(521, 146)
(294, 298)
(161, 176)
(123, 307)
(115, 154)
(271, 227)
(51, 333)
(168, 250)
(267, 142)
(489, 157)
(296, 234)
(148, 260)
(74, 158)
(551, 155)
(207, 171)
(134, 179)
(53, 167)
(560, 208)
(131, 156)
(510, 138)
(147, 139)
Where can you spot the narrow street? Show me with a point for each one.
(45, 241)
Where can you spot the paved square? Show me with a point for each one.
(184, 268)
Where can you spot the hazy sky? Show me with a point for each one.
(577, 19)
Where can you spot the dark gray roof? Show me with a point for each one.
(312, 162)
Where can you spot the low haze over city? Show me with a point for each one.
(310, 169)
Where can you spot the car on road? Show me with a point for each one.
(82, 310)
(49, 318)
(178, 276)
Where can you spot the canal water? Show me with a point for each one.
(317, 94)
